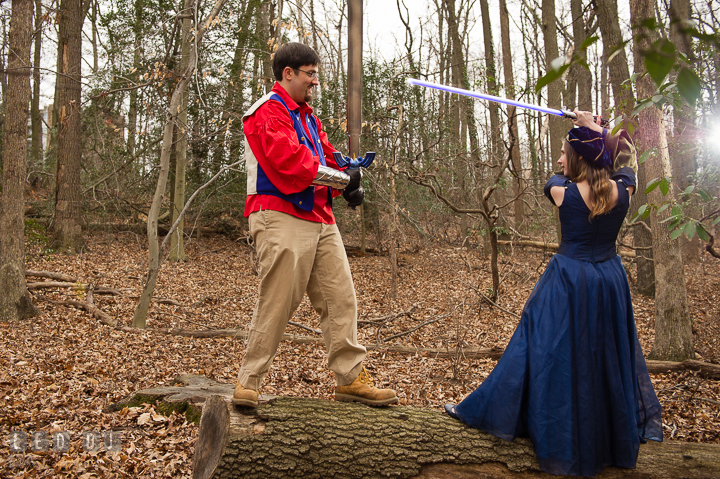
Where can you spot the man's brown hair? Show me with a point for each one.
(293, 55)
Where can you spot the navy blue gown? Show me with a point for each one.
(573, 378)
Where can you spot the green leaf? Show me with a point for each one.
(689, 85)
(660, 59)
(663, 208)
(702, 233)
(652, 185)
(676, 210)
(640, 106)
(716, 221)
(664, 186)
(689, 190)
(646, 213)
(630, 128)
(551, 76)
(690, 229)
(645, 156)
(589, 41)
(676, 234)
(642, 209)
(705, 195)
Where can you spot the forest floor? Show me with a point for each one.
(61, 370)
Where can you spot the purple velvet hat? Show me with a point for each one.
(591, 146)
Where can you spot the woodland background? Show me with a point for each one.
(144, 124)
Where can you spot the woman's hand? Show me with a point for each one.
(585, 118)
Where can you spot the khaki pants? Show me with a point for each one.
(297, 256)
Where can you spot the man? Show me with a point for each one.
(298, 244)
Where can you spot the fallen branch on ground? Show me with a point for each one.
(50, 275)
(551, 246)
(384, 319)
(83, 287)
(405, 333)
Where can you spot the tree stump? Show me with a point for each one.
(313, 438)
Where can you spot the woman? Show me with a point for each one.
(573, 378)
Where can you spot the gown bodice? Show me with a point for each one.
(587, 240)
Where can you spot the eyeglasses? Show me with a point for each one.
(312, 75)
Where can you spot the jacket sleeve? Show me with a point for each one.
(626, 176)
(623, 151)
(555, 180)
(290, 166)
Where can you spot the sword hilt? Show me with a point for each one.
(343, 161)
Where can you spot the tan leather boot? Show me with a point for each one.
(244, 397)
(362, 390)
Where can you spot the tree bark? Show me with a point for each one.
(558, 126)
(35, 118)
(582, 74)
(177, 246)
(673, 327)
(491, 79)
(687, 136)
(608, 21)
(298, 437)
(519, 183)
(15, 303)
(67, 229)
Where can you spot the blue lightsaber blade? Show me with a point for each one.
(497, 99)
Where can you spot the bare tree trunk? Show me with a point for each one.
(15, 303)
(686, 136)
(519, 183)
(609, 23)
(491, 76)
(35, 119)
(94, 35)
(558, 127)
(140, 316)
(582, 74)
(267, 73)
(673, 328)
(459, 113)
(67, 230)
(177, 247)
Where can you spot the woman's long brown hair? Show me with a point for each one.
(598, 179)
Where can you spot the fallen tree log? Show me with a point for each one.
(299, 437)
(51, 275)
(550, 246)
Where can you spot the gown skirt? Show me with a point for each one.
(572, 378)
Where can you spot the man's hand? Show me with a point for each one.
(353, 193)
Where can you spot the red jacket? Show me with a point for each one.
(290, 166)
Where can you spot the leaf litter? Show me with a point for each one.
(61, 370)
